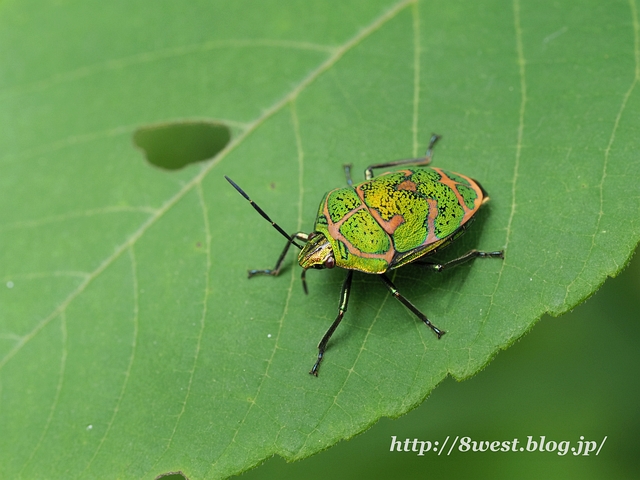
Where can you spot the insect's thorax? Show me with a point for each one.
(396, 217)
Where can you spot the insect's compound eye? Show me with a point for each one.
(330, 262)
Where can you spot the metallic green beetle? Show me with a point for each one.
(384, 223)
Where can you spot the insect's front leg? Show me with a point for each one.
(457, 261)
(344, 300)
(276, 270)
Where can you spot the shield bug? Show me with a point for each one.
(384, 223)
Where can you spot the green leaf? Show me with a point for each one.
(131, 342)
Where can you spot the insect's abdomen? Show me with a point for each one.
(420, 208)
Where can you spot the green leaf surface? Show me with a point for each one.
(131, 342)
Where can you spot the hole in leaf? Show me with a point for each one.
(172, 476)
(174, 145)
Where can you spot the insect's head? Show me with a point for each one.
(317, 253)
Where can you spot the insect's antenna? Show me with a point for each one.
(261, 212)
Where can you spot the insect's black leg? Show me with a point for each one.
(426, 160)
(344, 300)
(347, 173)
(394, 291)
(457, 261)
(276, 270)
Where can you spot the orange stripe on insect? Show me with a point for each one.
(452, 184)
(431, 221)
(388, 226)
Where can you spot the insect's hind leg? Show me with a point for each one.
(471, 254)
(426, 160)
(344, 300)
(276, 270)
(394, 291)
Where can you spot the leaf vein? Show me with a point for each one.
(153, 56)
(127, 373)
(71, 215)
(416, 75)
(54, 404)
(612, 136)
(514, 180)
(207, 232)
(351, 370)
